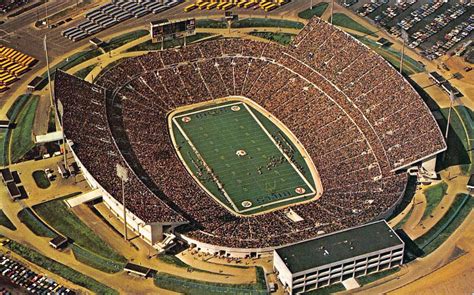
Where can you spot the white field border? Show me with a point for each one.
(229, 199)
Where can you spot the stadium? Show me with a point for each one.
(239, 147)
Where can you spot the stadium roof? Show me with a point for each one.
(339, 246)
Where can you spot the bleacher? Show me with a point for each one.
(13, 64)
(113, 13)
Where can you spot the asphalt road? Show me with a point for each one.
(19, 32)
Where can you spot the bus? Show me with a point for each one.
(249, 4)
(68, 31)
(190, 7)
(227, 6)
(211, 5)
(270, 7)
(202, 5)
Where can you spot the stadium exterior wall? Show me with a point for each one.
(150, 233)
(226, 251)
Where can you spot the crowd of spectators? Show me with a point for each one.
(357, 118)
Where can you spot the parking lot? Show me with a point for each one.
(21, 276)
(433, 28)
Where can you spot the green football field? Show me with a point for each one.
(245, 165)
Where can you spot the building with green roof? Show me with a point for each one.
(338, 256)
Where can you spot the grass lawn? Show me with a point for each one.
(376, 276)
(282, 38)
(121, 40)
(261, 178)
(342, 20)
(85, 71)
(72, 61)
(267, 22)
(28, 218)
(466, 115)
(52, 122)
(172, 259)
(17, 106)
(410, 66)
(460, 208)
(5, 221)
(58, 215)
(434, 195)
(60, 269)
(3, 147)
(327, 290)
(404, 219)
(41, 179)
(22, 141)
(96, 261)
(148, 45)
(188, 286)
(210, 23)
(458, 145)
(317, 10)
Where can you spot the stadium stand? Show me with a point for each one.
(359, 120)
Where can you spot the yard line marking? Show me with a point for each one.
(278, 147)
(229, 199)
(207, 166)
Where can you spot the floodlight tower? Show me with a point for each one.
(451, 98)
(122, 173)
(404, 36)
(53, 102)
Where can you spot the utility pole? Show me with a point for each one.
(122, 173)
(311, 6)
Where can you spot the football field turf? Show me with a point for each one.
(240, 162)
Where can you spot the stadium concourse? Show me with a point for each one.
(360, 121)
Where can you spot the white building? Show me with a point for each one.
(333, 258)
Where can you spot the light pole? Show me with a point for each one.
(451, 98)
(122, 173)
(404, 38)
(332, 9)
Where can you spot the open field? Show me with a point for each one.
(434, 195)
(57, 214)
(282, 38)
(22, 137)
(85, 71)
(118, 41)
(267, 22)
(261, 177)
(460, 208)
(148, 45)
(343, 20)
(5, 221)
(318, 10)
(187, 286)
(28, 218)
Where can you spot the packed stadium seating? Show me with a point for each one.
(359, 120)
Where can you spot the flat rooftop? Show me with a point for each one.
(339, 246)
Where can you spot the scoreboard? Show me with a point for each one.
(165, 30)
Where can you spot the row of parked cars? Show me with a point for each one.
(419, 14)
(437, 25)
(31, 281)
(456, 35)
(117, 11)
